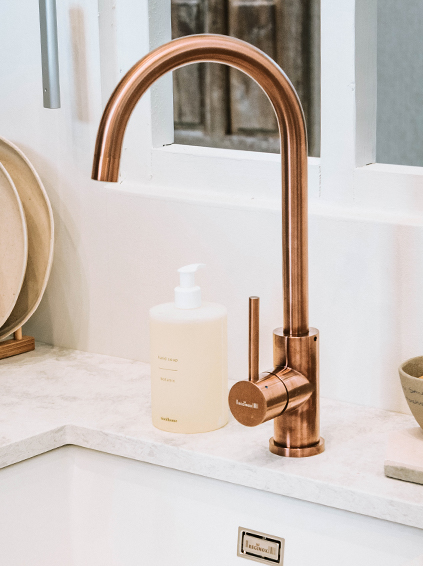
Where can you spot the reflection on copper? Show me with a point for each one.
(253, 339)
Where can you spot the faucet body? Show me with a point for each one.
(294, 400)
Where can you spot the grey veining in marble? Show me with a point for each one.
(53, 396)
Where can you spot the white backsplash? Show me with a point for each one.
(118, 256)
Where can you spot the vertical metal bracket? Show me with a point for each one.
(49, 54)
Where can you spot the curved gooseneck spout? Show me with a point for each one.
(281, 93)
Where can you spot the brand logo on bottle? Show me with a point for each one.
(245, 404)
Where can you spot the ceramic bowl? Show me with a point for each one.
(410, 371)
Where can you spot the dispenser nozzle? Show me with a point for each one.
(187, 274)
(188, 295)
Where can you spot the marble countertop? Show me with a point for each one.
(53, 396)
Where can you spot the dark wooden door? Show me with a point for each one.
(217, 106)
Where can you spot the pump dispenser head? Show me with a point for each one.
(188, 294)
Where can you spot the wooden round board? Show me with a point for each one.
(13, 245)
(39, 220)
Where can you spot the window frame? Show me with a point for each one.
(345, 175)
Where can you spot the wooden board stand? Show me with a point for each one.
(18, 345)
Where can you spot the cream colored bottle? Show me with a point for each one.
(188, 347)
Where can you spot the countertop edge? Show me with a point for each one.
(302, 488)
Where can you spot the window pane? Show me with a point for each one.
(400, 82)
(217, 106)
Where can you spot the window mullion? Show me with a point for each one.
(366, 81)
(348, 46)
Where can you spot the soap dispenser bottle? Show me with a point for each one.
(188, 347)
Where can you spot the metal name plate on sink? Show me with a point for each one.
(267, 549)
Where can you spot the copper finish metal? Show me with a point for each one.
(282, 95)
(289, 393)
(298, 388)
(301, 427)
(297, 452)
(253, 403)
(253, 339)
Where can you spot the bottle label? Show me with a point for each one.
(168, 367)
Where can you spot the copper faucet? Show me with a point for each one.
(289, 393)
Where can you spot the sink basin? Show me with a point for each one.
(78, 507)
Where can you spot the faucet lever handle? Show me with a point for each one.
(253, 339)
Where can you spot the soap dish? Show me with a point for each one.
(404, 455)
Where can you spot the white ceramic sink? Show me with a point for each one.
(78, 507)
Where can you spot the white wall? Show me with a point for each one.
(118, 247)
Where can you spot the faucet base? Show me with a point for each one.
(297, 452)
